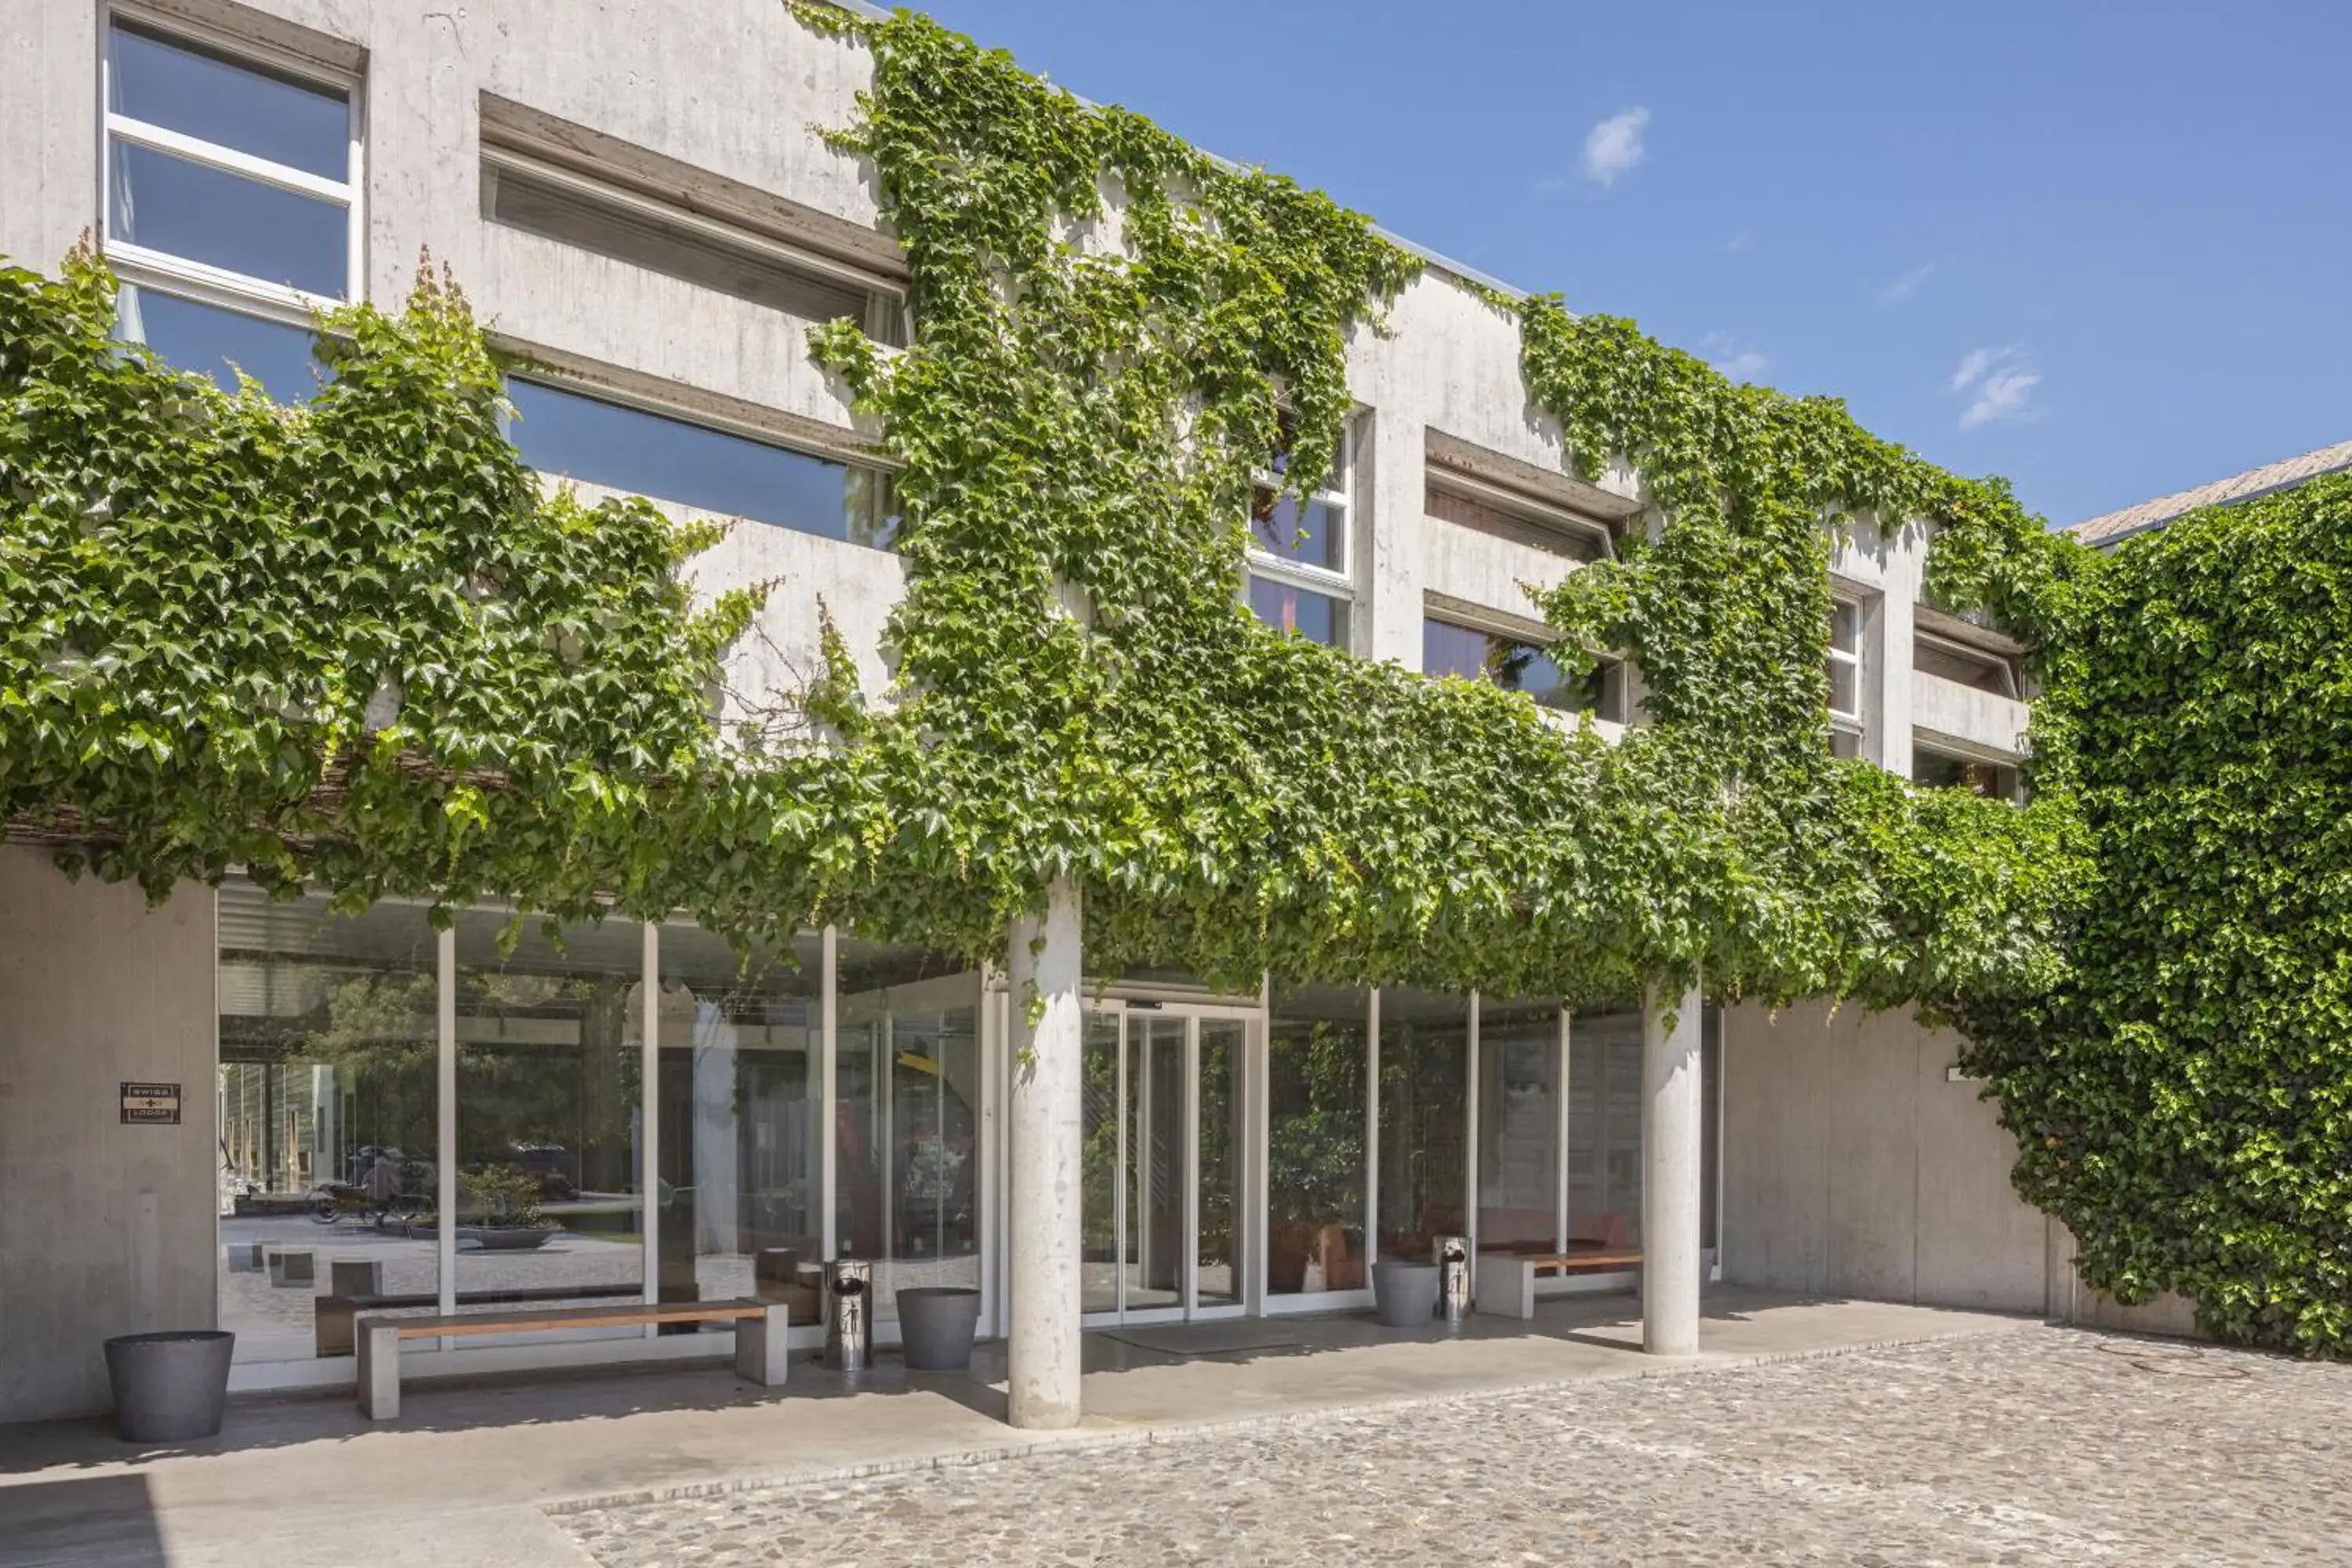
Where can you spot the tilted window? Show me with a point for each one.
(1301, 577)
(1514, 664)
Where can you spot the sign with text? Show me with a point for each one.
(151, 1104)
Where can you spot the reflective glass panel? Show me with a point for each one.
(233, 104)
(1103, 1238)
(1300, 611)
(1155, 1145)
(218, 344)
(1425, 1129)
(1519, 1125)
(1604, 1130)
(1515, 665)
(1313, 532)
(228, 221)
(600, 443)
(741, 1093)
(1218, 1278)
(907, 1071)
(328, 1050)
(550, 1202)
(1315, 1113)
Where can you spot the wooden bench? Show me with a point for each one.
(331, 1317)
(1504, 1283)
(759, 1328)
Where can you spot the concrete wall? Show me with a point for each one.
(1946, 708)
(1852, 1166)
(104, 1230)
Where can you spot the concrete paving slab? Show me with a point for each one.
(467, 1472)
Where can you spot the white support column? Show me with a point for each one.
(649, 1113)
(1046, 1126)
(827, 1127)
(1671, 1172)
(444, 1174)
(1371, 1134)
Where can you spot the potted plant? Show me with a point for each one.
(500, 1212)
(1315, 1178)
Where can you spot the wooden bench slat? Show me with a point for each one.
(1587, 1260)
(634, 1315)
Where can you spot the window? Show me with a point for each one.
(1464, 501)
(572, 208)
(1970, 666)
(1947, 770)
(1515, 664)
(1299, 564)
(1845, 677)
(599, 442)
(231, 205)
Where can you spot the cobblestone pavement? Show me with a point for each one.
(2041, 1446)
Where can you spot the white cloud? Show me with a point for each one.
(1724, 352)
(1903, 288)
(2000, 383)
(1614, 146)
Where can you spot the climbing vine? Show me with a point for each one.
(355, 643)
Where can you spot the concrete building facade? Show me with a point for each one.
(637, 202)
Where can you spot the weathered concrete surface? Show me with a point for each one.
(104, 1228)
(289, 1476)
(2035, 1447)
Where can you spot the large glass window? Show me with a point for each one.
(549, 1201)
(1423, 1109)
(1315, 1110)
(740, 1092)
(562, 432)
(1300, 576)
(231, 205)
(1519, 1125)
(328, 1118)
(1845, 677)
(1515, 664)
(907, 1118)
(1604, 1130)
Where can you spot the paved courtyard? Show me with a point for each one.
(2025, 1446)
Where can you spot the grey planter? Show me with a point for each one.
(170, 1387)
(1404, 1293)
(936, 1324)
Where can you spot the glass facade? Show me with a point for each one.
(636, 1114)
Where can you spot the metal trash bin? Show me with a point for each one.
(848, 1314)
(1451, 1256)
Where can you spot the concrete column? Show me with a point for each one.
(1670, 1171)
(1046, 1122)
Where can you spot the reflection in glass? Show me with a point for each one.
(549, 1202)
(739, 1096)
(1155, 1151)
(1312, 531)
(1519, 1125)
(907, 1072)
(1516, 665)
(1604, 1130)
(1315, 1138)
(228, 221)
(586, 438)
(1108, 1252)
(234, 105)
(1300, 611)
(218, 344)
(1424, 1085)
(1217, 1283)
(327, 1079)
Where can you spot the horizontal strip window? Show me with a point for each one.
(1969, 667)
(1515, 664)
(596, 441)
(1488, 508)
(1946, 770)
(523, 192)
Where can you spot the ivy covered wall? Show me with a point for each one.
(352, 644)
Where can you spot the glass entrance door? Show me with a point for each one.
(1165, 1223)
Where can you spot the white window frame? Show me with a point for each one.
(166, 273)
(1334, 582)
(1843, 721)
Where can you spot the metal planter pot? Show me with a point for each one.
(936, 1324)
(170, 1387)
(1404, 1293)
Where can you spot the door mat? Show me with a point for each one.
(1195, 1342)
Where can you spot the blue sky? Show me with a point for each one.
(2099, 248)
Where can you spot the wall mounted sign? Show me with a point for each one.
(154, 1104)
